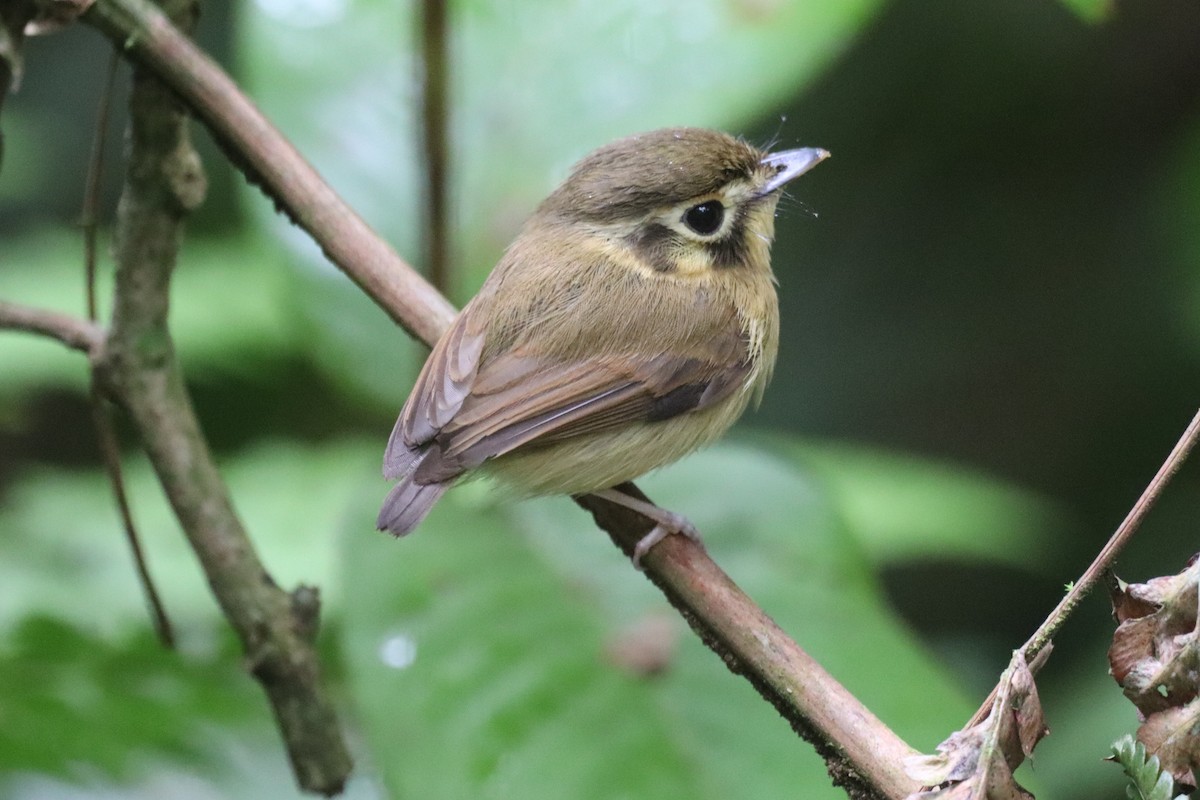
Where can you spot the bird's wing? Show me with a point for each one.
(463, 410)
(531, 400)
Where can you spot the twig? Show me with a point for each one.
(865, 754)
(75, 333)
(163, 183)
(106, 435)
(1107, 554)
(111, 452)
(434, 81)
(91, 191)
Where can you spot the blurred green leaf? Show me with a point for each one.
(905, 507)
(535, 86)
(108, 713)
(67, 698)
(478, 650)
(1091, 10)
(90, 718)
(1175, 209)
(61, 530)
(229, 307)
(19, 175)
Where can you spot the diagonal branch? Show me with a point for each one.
(1103, 561)
(863, 754)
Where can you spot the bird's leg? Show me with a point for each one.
(666, 522)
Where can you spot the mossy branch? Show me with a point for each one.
(138, 369)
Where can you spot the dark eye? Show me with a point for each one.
(705, 218)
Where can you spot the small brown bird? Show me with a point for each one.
(630, 322)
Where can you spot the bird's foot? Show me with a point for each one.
(666, 522)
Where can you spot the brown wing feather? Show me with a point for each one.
(481, 395)
(441, 388)
(549, 402)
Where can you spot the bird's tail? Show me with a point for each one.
(407, 504)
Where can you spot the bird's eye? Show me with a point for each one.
(705, 218)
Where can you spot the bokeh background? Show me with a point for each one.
(991, 303)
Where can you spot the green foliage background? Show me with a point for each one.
(992, 328)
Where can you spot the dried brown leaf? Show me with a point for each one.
(1174, 736)
(1132, 645)
(1153, 655)
(1027, 716)
(978, 763)
(1126, 605)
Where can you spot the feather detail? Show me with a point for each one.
(407, 504)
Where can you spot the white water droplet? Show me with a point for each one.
(398, 650)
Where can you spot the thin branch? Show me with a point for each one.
(111, 452)
(91, 191)
(75, 333)
(164, 182)
(435, 77)
(863, 753)
(106, 435)
(1108, 554)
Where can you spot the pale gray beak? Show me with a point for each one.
(791, 164)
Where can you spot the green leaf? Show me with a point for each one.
(906, 507)
(68, 698)
(92, 718)
(61, 530)
(109, 713)
(1147, 780)
(535, 86)
(229, 309)
(1176, 205)
(1091, 10)
(479, 649)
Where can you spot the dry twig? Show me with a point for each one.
(1107, 554)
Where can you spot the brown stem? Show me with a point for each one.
(434, 138)
(75, 333)
(1107, 554)
(91, 193)
(111, 452)
(106, 435)
(164, 182)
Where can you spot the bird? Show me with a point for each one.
(631, 321)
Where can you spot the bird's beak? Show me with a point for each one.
(791, 164)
